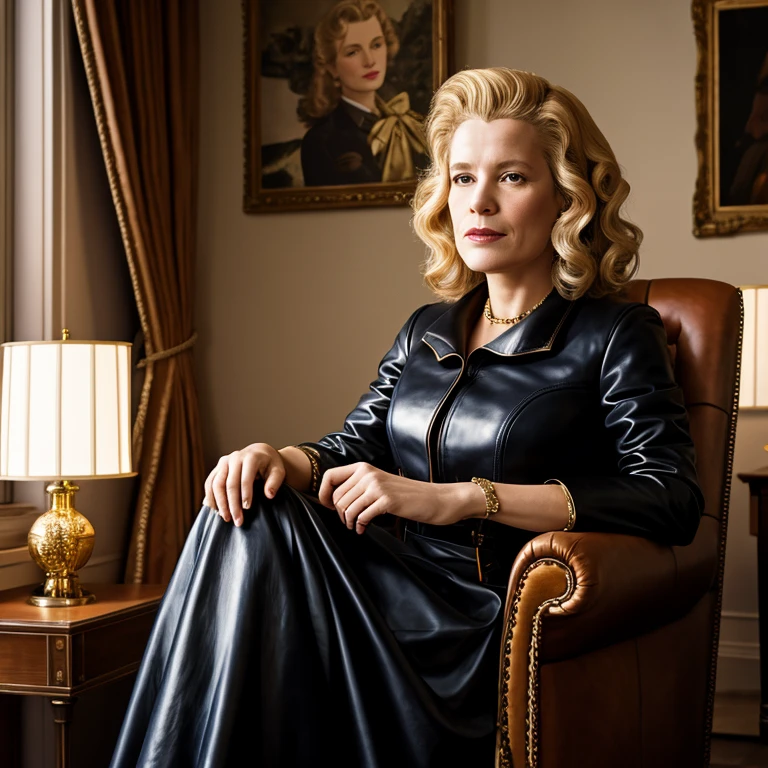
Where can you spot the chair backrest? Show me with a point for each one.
(704, 319)
(610, 651)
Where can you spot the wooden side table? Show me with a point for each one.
(62, 652)
(758, 526)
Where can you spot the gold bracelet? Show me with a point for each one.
(569, 502)
(313, 457)
(491, 500)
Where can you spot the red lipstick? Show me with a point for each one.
(371, 75)
(483, 235)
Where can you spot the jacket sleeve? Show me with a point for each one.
(364, 434)
(316, 163)
(655, 491)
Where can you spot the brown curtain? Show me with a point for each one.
(142, 63)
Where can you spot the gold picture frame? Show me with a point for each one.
(732, 117)
(279, 65)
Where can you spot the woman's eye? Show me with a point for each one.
(377, 45)
(462, 179)
(515, 178)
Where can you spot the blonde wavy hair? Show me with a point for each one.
(323, 94)
(597, 250)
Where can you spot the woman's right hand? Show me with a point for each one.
(229, 487)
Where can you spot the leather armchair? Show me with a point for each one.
(609, 650)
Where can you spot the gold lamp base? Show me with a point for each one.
(61, 542)
(39, 598)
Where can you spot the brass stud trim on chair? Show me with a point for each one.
(710, 712)
(504, 749)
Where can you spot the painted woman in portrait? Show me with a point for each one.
(355, 135)
(750, 181)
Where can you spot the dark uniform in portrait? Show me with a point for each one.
(336, 149)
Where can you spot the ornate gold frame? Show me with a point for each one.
(710, 218)
(259, 200)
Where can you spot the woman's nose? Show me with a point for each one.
(367, 59)
(483, 201)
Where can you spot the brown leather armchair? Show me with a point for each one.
(610, 641)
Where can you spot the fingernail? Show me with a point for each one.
(239, 522)
(246, 504)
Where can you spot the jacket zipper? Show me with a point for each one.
(437, 410)
(439, 458)
(477, 535)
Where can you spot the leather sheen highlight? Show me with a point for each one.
(582, 391)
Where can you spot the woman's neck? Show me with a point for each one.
(364, 99)
(511, 298)
(508, 299)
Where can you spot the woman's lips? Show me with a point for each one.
(483, 235)
(371, 75)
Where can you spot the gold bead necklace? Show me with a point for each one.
(508, 320)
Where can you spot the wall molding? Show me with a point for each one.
(18, 569)
(18, 555)
(733, 649)
(739, 635)
(738, 653)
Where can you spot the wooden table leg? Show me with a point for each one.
(62, 715)
(10, 728)
(762, 598)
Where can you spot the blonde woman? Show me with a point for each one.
(355, 137)
(526, 399)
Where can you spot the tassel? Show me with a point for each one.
(477, 539)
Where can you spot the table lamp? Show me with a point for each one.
(753, 386)
(65, 413)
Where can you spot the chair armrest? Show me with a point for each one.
(620, 586)
(571, 593)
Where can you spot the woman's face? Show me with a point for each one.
(502, 200)
(361, 59)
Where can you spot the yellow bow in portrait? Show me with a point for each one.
(396, 137)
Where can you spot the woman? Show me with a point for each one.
(750, 180)
(355, 137)
(527, 400)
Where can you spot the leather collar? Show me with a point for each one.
(536, 333)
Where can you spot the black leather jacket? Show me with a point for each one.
(580, 391)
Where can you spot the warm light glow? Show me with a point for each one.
(753, 388)
(65, 412)
(761, 348)
(77, 444)
(42, 393)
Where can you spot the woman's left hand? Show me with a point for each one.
(359, 492)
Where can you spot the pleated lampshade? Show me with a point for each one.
(753, 389)
(66, 410)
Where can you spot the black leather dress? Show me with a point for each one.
(295, 642)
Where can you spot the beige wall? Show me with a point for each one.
(295, 309)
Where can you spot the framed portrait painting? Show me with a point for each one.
(336, 92)
(732, 116)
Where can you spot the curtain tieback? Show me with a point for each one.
(170, 352)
